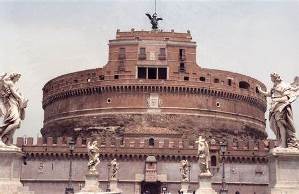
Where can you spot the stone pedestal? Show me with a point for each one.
(284, 171)
(10, 165)
(92, 186)
(184, 187)
(205, 185)
(113, 186)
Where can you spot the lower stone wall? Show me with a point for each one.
(50, 175)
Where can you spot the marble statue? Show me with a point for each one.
(204, 156)
(12, 107)
(114, 169)
(282, 94)
(184, 169)
(93, 154)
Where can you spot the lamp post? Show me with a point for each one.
(223, 189)
(70, 189)
(108, 179)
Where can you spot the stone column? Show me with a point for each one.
(10, 173)
(284, 171)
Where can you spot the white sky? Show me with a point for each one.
(44, 39)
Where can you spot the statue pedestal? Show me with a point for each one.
(113, 186)
(92, 185)
(284, 171)
(205, 185)
(10, 173)
(184, 187)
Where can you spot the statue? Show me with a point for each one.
(154, 20)
(114, 169)
(93, 154)
(184, 169)
(204, 156)
(12, 107)
(282, 94)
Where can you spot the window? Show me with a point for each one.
(101, 77)
(213, 161)
(229, 82)
(122, 53)
(182, 54)
(162, 73)
(202, 79)
(151, 142)
(186, 78)
(244, 85)
(237, 192)
(142, 54)
(162, 54)
(141, 73)
(152, 73)
(182, 67)
(216, 80)
(116, 76)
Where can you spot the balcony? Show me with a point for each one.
(122, 56)
(162, 57)
(142, 56)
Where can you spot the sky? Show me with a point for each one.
(44, 39)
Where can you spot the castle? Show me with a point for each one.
(147, 106)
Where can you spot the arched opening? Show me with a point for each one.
(237, 192)
(213, 161)
(151, 142)
(244, 85)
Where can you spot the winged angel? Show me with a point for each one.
(282, 94)
(154, 20)
(12, 107)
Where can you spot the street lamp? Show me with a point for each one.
(70, 189)
(223, 189)
(108, 179)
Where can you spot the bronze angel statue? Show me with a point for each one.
(282, 94)
(154, 20)
(12, 107)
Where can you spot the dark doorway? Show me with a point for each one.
(150, 188)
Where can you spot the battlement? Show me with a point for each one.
(135, 147)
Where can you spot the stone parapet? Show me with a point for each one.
(164, 149)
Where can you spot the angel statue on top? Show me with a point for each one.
(282, 94)
(12, 107)
(93, 155)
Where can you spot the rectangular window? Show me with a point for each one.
(142, 51)
(182, 67)
(122, 53)
(152, 73)
(142, 54)
(141, 73)
(162, 73)
(162, 54)
(182, 54)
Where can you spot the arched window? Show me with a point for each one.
(237, 192)
(151, 142)
(244, 85)
(213, 161)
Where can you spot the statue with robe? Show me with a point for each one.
(93, 154)
(184, 170)
(12, 107)
(282, 95)
(204, 156)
